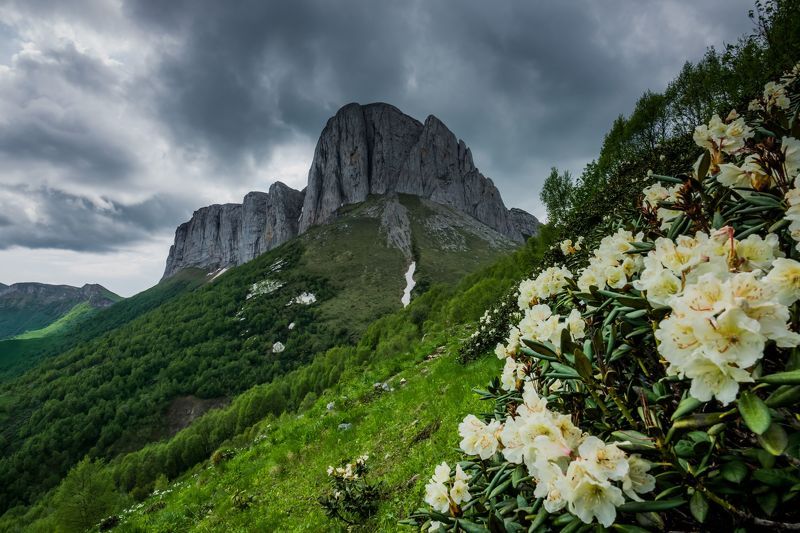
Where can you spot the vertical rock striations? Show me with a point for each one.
(363, 150)
(376, 149)
(220, 236)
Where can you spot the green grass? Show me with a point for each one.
(284, 471)
(107, 395)
(74, 316)
(20, 353)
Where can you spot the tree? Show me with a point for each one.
(556, 195)
(85, 496)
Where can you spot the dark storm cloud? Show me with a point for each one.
(40, 129)
(51, 218)
(206, 91)
(520, 82)
(243, 77)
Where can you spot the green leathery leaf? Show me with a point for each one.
(754, 412)
(734, 471)
(647, 506)
(687, 405)
(541, 347)
(698, 506)
(783, 395)
(703, 164)
(583, 365)
(774, 439)
(791, 377)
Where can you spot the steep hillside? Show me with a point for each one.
(32, 306)
(395, 346)
(84, 322)
(247, 325)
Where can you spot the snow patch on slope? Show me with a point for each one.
(410, 283)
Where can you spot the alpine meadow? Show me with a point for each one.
(387, 339)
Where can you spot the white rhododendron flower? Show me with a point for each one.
(568, 247)
(459, 492)
(436, 496)
(750, 175)
(775, 96)
(791, 154)
(611, 265)
(546, 284)
(637, 480)
(719, 136)
(477, 437)
(513, 372)
(784, 279)
(603, 461)
(793, 214)
(591, 498)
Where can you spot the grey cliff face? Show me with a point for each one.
(376, 149)
(525, 223)
(220, 236)
(363, 150)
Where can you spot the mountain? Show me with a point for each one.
(366, 150)
(31, 306)
(249, 325)
(84, 322)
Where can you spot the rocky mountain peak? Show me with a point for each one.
(363, 150)
(376, 149)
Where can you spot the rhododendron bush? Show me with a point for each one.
(653, 380)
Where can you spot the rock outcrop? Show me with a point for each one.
(373, 149)
(526, 224)
(376, 149)
(209, 240)
(220, 236)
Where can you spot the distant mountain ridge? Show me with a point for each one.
(363, 150)
(30, 306)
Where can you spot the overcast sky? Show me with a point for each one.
(119, 118)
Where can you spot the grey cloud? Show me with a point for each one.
(527, 85)
(66, 221)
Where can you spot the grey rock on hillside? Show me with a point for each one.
(525, 223)
(375, 149)
(220, 236)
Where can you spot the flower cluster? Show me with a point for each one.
(614, 375)
(571, 468)
(611, 265)
(655, 195)
(569, 248)
(444, 491)
(349, 470)
(723, 136)
(546, 284)
(351, 498)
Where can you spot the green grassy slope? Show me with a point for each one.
(79, 313)
(107, 396)
(394, 346)
(81, 324)
(284, 469)
(39, 305)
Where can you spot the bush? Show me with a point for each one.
(352, 499)
(657, 387)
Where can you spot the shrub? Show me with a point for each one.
(352, 498)
(658, 386)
